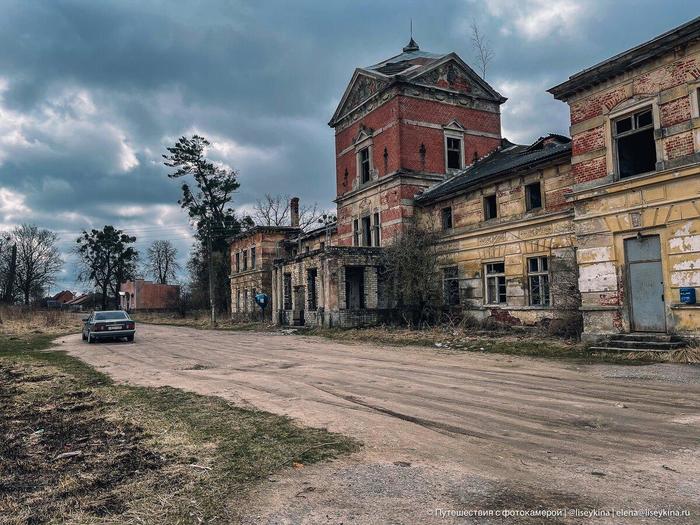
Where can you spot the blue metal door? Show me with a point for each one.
(645, 284)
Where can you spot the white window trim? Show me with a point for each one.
(369, 146)
(624, 109)
(486, 282)
(528, 274)
(454, 134)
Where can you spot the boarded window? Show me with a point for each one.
(287, 291)
(312, 298)
(377, 230)
(454, 153)
(450, 285)
(538, 280)
(495, 283)
(490, 207)
(634, 143)
(364, 162)
(447, 218)
(533, 196)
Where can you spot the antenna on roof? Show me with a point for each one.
(412, 46)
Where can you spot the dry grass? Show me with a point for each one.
(200, 320)
(21, 321)
(146, 455)
(689, 354)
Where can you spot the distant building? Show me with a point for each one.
(146, 295)
(63, 297)
(81, 302)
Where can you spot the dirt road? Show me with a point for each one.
(442, 430)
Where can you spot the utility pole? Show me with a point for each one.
(212, 302)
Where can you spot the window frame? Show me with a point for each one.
(356, 231)
(528, 197)
(632, 112)
(377, 229)
(455, 135)
(366, 230)
(361, 163)
(445, 214)
(493, 196)
(253, 259)
(497, 276)
(540, 275)
(450, 297)
(245, 259)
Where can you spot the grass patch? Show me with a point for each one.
(77, 448)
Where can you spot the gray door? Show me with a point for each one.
(646, 284)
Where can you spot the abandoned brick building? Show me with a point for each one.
(611, 214)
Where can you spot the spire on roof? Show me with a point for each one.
(411, 46)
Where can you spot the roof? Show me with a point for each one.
(634, 57)
(505, 160)
(63, 296)
(80, 299)
(407, 66)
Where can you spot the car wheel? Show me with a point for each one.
(90, 339)
(84, 338)
(129, 338)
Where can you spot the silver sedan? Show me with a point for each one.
(114, 324)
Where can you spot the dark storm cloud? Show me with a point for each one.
(92, 92)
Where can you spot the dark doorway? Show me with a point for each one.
(354, 287)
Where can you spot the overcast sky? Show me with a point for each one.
(91, 92)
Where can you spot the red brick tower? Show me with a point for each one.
(402, 125)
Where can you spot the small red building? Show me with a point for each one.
(146, 295)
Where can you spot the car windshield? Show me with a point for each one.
(104, 316)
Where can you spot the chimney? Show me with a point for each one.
(294, 212)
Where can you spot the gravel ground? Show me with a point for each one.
(442, 429)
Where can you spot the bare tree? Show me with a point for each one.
(482, 50)
(38, 259)
(410, 267)
(274, 210)
(162, 261)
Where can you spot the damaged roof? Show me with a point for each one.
(638, 55)
(505, 160)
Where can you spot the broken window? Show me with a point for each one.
(634, 143)
(447, 218)
(366, 231)
(377, 230)
(538, 280)
(533, 196)
(450, 285)
(490, 207)
(356, 232)
(364, 163)
(245, 260)
(238, 262)
(311, 288)
(252, 257)
(454, 153)
(495, 276)
(287, 291)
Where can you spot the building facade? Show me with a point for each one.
(635, 128)
(146, 295)
(605, 222)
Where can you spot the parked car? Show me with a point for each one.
(114, 324)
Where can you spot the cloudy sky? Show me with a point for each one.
(91, 92)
